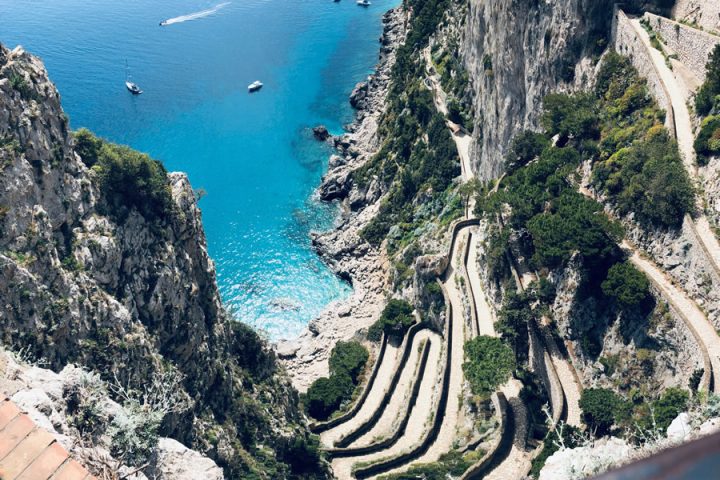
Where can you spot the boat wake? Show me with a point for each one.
(194, 16)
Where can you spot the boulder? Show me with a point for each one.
(680, 428)
(358, 95)
(174, 461)
(321, 133)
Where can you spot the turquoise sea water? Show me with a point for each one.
(253, 154)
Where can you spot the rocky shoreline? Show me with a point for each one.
(342, 249)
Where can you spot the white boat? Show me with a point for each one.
(255, 86)
(363, 3)
(134, 89)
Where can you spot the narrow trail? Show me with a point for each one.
(399, 401)
(697, 322)
(517, 463)
(679, 93)
(485, 315)
(342, 467)
(572, 390)
(373, 399)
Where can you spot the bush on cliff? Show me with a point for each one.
(326, 395)
(395, 319)
(708, 96)
(626, 285)
(598, 409)
(489, 363)
(348, 357)
(639, 165)
(707, 143)
(127, 179)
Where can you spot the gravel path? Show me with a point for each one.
(486, 316)
(397, 407)
(705, 334)
(382, 381)
(419, 416)
(679, 96)
(517, 464)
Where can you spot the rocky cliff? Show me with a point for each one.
(100, 269)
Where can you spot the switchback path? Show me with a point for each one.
(695, 319)
(679, 97)
(373, 399)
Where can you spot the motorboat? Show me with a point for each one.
(255, 86)
(363, 3)
(163, 23)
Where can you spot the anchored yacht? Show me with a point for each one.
(255, 86)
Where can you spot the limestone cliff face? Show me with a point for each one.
(123, 295)
(516, 53)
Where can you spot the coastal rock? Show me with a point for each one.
(321, 133)
(581, 462)
(336, 187)
(358, 95)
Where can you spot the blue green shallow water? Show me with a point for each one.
(253, 154)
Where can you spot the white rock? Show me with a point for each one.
(709, 427)
(679, 428)
(174, 461)
(581, 462)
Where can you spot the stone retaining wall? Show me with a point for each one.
(693, 46)
(705, 13)
(627, 42)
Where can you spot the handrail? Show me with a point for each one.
(368, 424)
(402, 426)
(334, 422)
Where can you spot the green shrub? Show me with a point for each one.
(489, 363)
(626, 285)
(706, 97)
(326, 395)
(672, 402)
(599, 406)
(128, 179)
(707, 142)
(570, 116)
(396, 318)
(348, 357)
(88, 146)
(525, 147)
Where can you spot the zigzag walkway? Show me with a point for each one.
(682, 130)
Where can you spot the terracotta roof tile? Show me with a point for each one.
(46, 464)
(14, 433)
(8, 411)
(25, 453)
(70, 470)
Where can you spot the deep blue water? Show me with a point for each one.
(253, 154)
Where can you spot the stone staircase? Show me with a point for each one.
(28, 452)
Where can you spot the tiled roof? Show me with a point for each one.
(27, 452)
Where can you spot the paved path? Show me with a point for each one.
(28, 452)
(377, 391)
(679, 95)
(486, 316)
(419, 417)
(695, 319)
(517, 464)
(399, 401)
